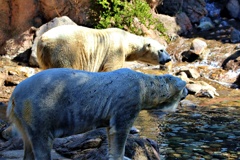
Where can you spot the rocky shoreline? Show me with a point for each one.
(205, 53)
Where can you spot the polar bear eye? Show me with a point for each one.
(161, 50)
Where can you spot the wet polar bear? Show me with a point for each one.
(95, 50)
(67, 102)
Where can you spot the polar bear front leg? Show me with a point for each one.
(116, 142)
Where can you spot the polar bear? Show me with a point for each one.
(67, 101)
(95, 50)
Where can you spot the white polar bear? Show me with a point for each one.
(78, 47)
(67, 101)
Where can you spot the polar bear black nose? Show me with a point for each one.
(164, 57)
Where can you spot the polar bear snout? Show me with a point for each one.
(164, 57)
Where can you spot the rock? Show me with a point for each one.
(154, 3)
(18, 155)
(15, 143)
(91, 145)
(134, 130)
(234, 35)
(78, 11)
(183, 76)
(170, 7)
(3, 76)
(190, 72)
(171, 25)
(198, 46)
(233, 8)
(16, 17)
(154, 34)
(232, 62)
(184, 23)
(198, 51)
(236, 84)
(195, 10)
(213, 10)
(19, 45)
(205, 54)
(189, 56)
(187, 104)
(205, 24)
(58, 21)
(202, 89)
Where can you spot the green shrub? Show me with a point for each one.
(120, 14)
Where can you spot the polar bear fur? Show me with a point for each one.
(67, 102)
(78, 47)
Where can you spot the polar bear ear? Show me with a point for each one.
(180, 84)
(148, 46)
(177, 82)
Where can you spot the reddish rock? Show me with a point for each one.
(154, 3)
(194, 9)
(20, 43)
(17, 16)
(184, 22)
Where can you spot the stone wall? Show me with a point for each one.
(18, 16)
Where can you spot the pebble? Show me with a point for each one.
(209, 135)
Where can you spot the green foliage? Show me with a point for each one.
(121, 13)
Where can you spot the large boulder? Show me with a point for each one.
(194, 9)
(19, 47)
(18, 16)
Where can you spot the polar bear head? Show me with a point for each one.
(154, 53)
(176, 91)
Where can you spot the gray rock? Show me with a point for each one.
(233, 7)
(202, 89)
(91, 145)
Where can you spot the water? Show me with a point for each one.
(211, 131)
